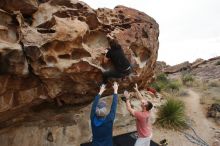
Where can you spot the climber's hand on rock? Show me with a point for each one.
(102, 89)
(115, 87)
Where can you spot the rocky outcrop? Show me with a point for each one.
(208, 69)
(160, 66)
(197, 62)
(55, 50)
(177, 68)
(202, 69)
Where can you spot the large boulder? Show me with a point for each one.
(16, 85)
(58, 51)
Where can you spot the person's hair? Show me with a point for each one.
(114, 44)
(149, 106)
(101, 110)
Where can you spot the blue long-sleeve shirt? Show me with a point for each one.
(102, 128)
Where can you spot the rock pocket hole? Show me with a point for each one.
(50, 137)
(126, 26)
(78, 53)
(65, 56)
(128, 41)
(51, 59)
(120, 11)
(65, 14)
(46, 30)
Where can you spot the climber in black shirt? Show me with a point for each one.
(121, 64)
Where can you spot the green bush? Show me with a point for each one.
(160, 83)
(155, 86)
(162, 78)
(217, 63)
(163, 83)
(187, 78)
(172, 114)
(173, 86)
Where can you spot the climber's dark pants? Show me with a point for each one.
(114, 74)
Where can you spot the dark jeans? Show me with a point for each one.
(114, 74)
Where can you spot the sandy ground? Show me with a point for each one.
(205, 128)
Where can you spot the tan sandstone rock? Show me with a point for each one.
(58, 52)
(27, 7)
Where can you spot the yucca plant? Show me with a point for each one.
(172, 114)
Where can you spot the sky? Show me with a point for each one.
(189, 29)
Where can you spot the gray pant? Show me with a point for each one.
(143, 141)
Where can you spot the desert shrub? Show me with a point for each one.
(203, 100)
(213, 84)
(172, 114)
(156, 86)
(217, 63)
(162, 78)
(208, 100)
(160, 83)
(173, 86)
(201, 84)
(183, 93)
(163, 83)
(159, 86)
(216, 99)
(187, 79)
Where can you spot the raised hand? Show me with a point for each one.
(126, 94)
(143, 101)
(136, 87)
(102, 89)
(115, 87)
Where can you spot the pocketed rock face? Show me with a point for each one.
(15, 82)
(27, 7)
(58, 51)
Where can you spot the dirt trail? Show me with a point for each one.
(205, 128)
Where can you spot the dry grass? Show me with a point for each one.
(183, 92)
(214, 84)
(209, 91)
